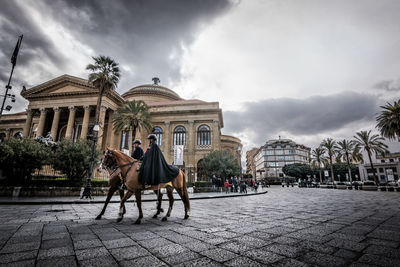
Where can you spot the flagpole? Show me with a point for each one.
(12, 71)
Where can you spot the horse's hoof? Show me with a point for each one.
(119, 219)
(98, 217)
(137, 221)
(155, 216)
(164, 219)
(186, 217)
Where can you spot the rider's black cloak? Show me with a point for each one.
(154, 169)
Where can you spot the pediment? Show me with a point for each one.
(62, 86)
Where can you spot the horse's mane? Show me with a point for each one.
(123, 155)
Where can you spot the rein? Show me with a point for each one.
(130, 164)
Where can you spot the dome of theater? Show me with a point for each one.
(151, 93)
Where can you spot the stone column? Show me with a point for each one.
(216, 136)
(167, 141)
(110, 133)
(85, 123)
(191, 144)
(56, 120)
(8, 133)
(101, 125)
(42, 121)
(28, 123)
(70, 125)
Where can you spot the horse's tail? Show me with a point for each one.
(185, 192)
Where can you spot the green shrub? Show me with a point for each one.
(19, 157)
(73, 159)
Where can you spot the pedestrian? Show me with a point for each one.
(226, 187)
(214, 183)
(235, 184)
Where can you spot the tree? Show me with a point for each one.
(21, 156)
(221, 164)
(318, 157)
(389, 120)
(105, 76)
(73, 159)
(329, 145)
(341, 169)
(132, 116)
(371, 144)
(297, 170)
(346, 149)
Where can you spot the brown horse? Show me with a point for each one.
(129, 170)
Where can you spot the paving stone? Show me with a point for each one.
(57, 262)
(26, 263)
(324, 259)
(290, 262)
(18, 256)
(263, 256)
(378, 260)
(307, 245)
(286, 240)
(55, 243)
(99, 262)
(91, 253)
(219, 255)
(168, 250)
(285, 250)
(347, 254)
(346, 244)
(143, 235)
(19, 247)
(200, 262)
(55, 252)
(154, 242)
(198, 246)
(181, 258)
(383, 251)
(82, 244)
(119, 243)
(382, 242)
(128, 253)
(235, 247)
(251, 241)
(146, 261)
(241, 261)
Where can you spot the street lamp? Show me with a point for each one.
(87, 192)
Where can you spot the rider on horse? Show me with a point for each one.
(155, 169)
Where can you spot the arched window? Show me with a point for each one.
(158, 133)
(179, 136)
(2, 137)
(203, 135)
(18, 135)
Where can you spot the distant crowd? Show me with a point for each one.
(234, 185)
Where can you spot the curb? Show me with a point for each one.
(55, 202)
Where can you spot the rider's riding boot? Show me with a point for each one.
(123, 186)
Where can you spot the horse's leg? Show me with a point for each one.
(159, 201)
(122, 205)
(110, 193)
(138, 195)
(170, 195)
(183, 193)
(121, 195)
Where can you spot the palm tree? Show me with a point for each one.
(105, 76)
(371, 144)
(318, 157)
(329, 144)
(345, 149)
(389, 120)
(132, 116)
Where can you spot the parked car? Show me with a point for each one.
(391, 186)
(357, 185)
(369, 186)
(315, 184)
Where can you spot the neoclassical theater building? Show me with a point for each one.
(66, 106)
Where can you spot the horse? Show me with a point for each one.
(114, 184)
(129, 170)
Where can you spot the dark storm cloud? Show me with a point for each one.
(148, 35)
(309, 116)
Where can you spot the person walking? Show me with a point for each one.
(214, 183)
(226, 184)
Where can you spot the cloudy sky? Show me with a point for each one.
(299, 69)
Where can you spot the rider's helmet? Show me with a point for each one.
(152, 136)
(137, 141)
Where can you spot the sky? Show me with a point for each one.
(302, 69)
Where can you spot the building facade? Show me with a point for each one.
(275, 154)
(386, 166)
(65, 107)
(250, 163)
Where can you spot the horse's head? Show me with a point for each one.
(107, 161)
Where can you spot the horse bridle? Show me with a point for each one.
(114, 165)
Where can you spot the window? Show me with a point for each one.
(158, 133)
(125, 140)
(268, 152)
(179, 136)
(391, 160)
(382, 161)
(203, 135)
(381, 170)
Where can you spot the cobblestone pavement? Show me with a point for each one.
(285, 227)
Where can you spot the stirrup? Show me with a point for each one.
(123, 187)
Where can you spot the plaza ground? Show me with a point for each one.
(285, 227)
